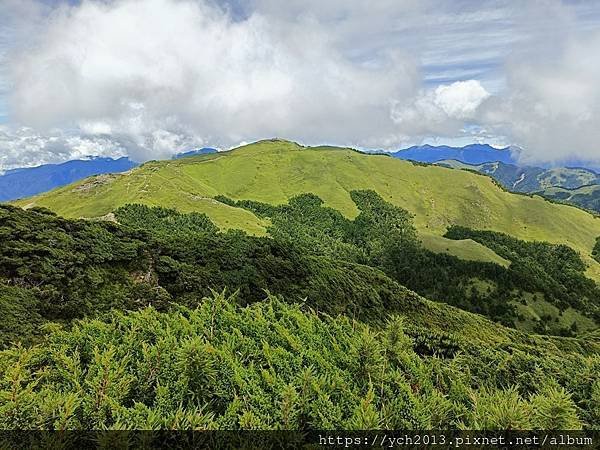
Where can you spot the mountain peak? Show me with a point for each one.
(269, 145)
(277, 141)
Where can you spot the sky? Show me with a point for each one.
(150, 78)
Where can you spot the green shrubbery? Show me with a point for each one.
(383, 236)
(339, 343)
(276, 366)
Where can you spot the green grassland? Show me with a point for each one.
(587, 197)
(275, 170)
(466, 249)
(537, 310)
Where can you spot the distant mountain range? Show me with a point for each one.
(470, 154)
(20, 183)
(574, 185)
(530, 179)
(28, 181)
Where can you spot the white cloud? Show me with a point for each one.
(158, 74)
(551, 106)
(24, 147)
(442, 110)
(461, 99)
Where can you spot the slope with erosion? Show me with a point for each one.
(587, 197)
(530, 179)
(275, 170)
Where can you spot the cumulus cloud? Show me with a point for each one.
(552, 104)
(25, 147)
(441, 110)
(155, 75)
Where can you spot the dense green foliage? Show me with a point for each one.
(338, 342)
(383, 236)
(57, 269)
(275, 366)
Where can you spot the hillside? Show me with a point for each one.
(587, 197)
(273, 171)
(530, 179)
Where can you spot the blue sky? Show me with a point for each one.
(154, 77)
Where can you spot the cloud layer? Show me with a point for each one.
(552, 108)
(154, 77)
(160, 74)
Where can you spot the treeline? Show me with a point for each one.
(383, 236)
(54, 269)
(275, 366)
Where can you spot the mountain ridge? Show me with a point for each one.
(470, 154)
(28, 181)
(272, 171)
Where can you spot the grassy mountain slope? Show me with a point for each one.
(530, 179)
(466, 249)
(273, 171)
(587, 197)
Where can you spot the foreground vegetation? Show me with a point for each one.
(120, 325)
(276, 366)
